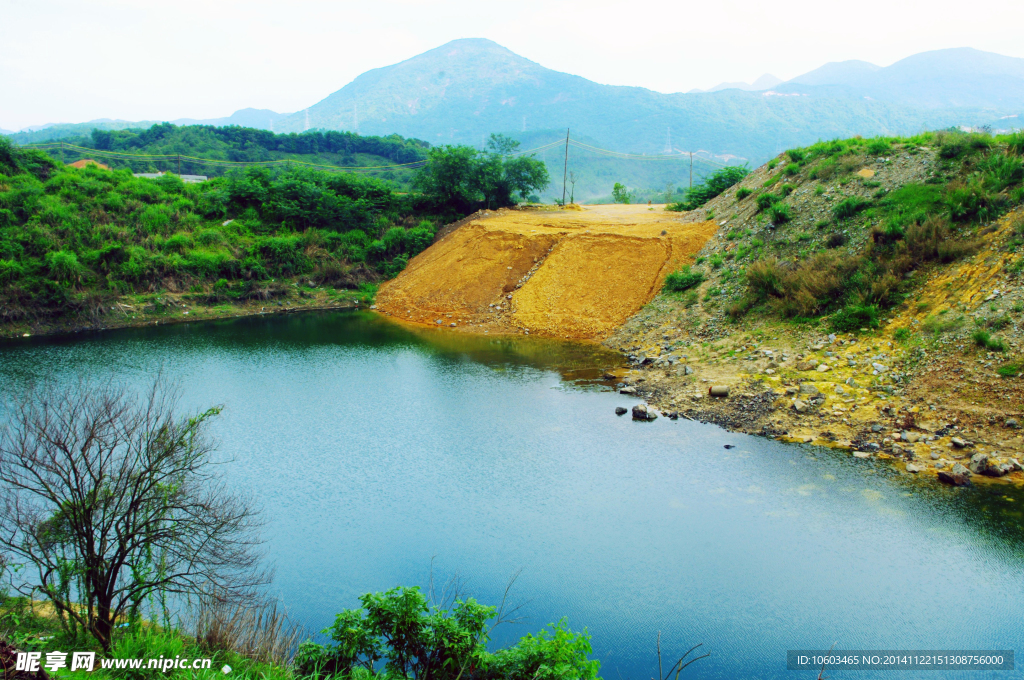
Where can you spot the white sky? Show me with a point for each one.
(76, 60)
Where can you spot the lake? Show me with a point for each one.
(380, 453)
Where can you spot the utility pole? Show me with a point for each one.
(691, 171)
(565, 170)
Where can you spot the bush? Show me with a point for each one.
(764, 278)
(682, 280)
(742, 193)
(796, 155)
(63, 266)
(1015, 144)
(984, 340)
(848, 207)
(710, 188)
(966, 200)
(854, 317)
(879, 146)
(779, 213)
(835, 240)
(765, 201)
(792, 169)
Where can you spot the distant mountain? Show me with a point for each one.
(765, 82)
(263, 119)
(942, 79)
(464, 90)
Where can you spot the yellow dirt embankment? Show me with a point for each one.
(575, 274)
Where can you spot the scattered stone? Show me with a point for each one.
(934, 456)
(958, 443)
(979, 463)
(799, 406)
(876, 428)
(861, 454)
(824, 367)
(960, 470)
(628, 390)
(687, 370)
(1012, 423)
(644, 412)
(620, 410)
(911, 467)
(806, 365)
(809, 389)
(609, 376)
(912, 437)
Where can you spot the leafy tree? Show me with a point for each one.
(620, 194)
(712, 186)
(416, 639)
(461, 179)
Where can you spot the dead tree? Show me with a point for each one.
(110, 499)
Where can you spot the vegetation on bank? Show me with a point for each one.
(712, 186)
(72, 241)
(858, 262)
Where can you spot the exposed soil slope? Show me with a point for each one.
(561, 273)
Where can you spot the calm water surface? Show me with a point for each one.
(377, 450)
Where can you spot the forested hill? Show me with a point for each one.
(241, 145)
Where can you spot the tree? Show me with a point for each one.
(711, 187)
(109, 499)
(620, 194)
(573, 178)
(462, 179)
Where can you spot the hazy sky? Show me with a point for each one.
(75, 60)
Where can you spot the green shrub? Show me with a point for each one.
(682, 280)
(967, 200)
(10, 271)
(836, 240)
(848, 207)
(772, 163)
(796, 155)
(179, 243)
(711, 187)
(764, 278)
(984, 340)
(742, 193)
(63, 266)
(854, 317)
(879, 146)
(779, 213)
(765, 201)
(1010, 370)
(902, 335)
(786, 189)
(1015, 144)
(210, 237)
(716, 261)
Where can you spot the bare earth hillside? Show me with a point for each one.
(560, 273)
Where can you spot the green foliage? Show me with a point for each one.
(849, 207)
(854, 317)
(460, 179)
(415, 639)
(902, 335)
(1010, 370)
(682, 280)
(879, 146)
(779, 213)
(742, 193)
(766, 200)
(620, 194)
(985, 340)
(711, 187)
(796, 155)
(792, 169)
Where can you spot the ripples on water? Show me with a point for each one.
(376, 449)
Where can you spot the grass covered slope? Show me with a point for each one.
(73, 242)
(856, 290)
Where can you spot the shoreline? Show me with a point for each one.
(760, 403)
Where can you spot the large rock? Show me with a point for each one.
(628, 390)
(958, 442)
(953, 478)
(911, 467)
(809, 390)
(621, 410)
(979, 463)
(799, 406)
(824, 367)
(644, 412)
(806, 365)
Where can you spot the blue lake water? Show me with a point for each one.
(378, 451)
